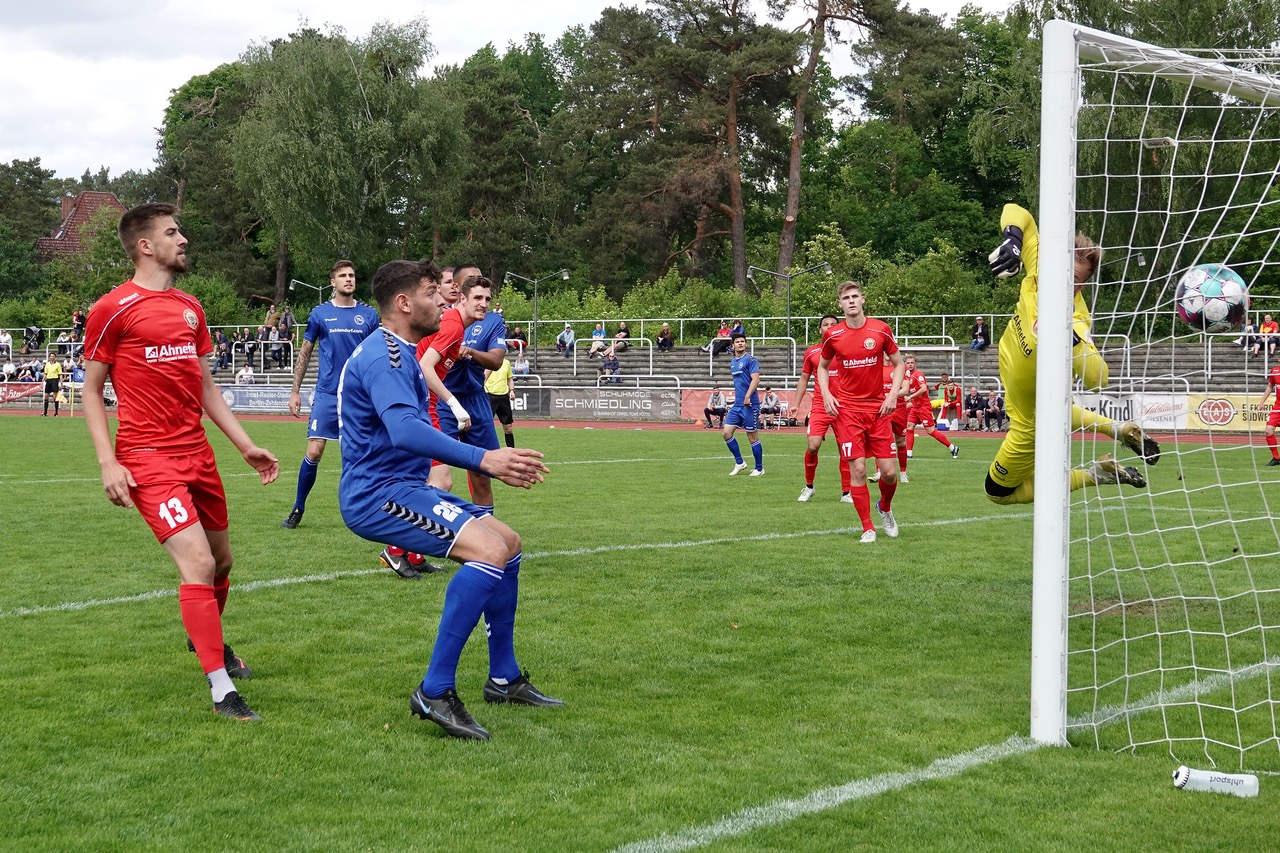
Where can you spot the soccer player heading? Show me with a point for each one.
(152, 341)
(855, 396)
(337, 327)
(1010, 479)
(388, 444)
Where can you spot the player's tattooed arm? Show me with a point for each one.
(299, 373)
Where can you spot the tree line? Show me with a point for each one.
(656, 153)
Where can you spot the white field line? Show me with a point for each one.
(781, 811)
(251, 586)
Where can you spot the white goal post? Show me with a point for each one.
(1148, 582)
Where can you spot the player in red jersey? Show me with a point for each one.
(920, 410)
(1273, 380)
(898, 419)
(819, 420)
(857, 400)
(152, 341)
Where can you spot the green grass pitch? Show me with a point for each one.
(740, 673)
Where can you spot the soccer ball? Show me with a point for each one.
(1212, 298)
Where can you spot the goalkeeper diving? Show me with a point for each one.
(1010, 480)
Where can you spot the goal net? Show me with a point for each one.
(1157, 611)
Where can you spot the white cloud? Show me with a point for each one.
(85, 83)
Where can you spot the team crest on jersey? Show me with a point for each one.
(868, 343)
(191, 318)
(359, 319)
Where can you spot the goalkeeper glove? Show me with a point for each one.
(1006, 260)
(460, 414)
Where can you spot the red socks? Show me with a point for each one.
(811, 467)
(198, 605)
(862, 503)
(942, 438)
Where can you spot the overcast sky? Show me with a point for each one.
(84, 83)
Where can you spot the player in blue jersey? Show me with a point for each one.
(483, 347)
(745, 412)
(387, 447)
(337, 327)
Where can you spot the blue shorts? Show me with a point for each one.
(324, 417)
(418, 518)
(481, 433)
(747, 417)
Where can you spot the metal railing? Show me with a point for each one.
(611, 344)
(751, 345)
(626, 378)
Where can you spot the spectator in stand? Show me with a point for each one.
(1249, 340)
(64, 343)
(770, 405)
(497, 309)
(564, 341)
(67, 364)
(277, 346)
(27, 373)
(666, 343)
(273, 317)
(981, 337)
(9, 370)
(995, 412)
(518, 335)
(610, 367)
(248, 344)
(245, 375)
(77, 345)
(520, 367)
(77, 324)
(6, 343)
(716, 408)
(287, 323)
(599, 340)
(975, 409)
(1270, 332)
(620, 339)
(952, 396)
(222, 351)
(721, 341)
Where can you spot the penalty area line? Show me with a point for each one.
(758, 817)
(251, 586)
(778, 812)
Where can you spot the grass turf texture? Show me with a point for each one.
(777, 659)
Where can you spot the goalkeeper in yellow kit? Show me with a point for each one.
(1010, 479)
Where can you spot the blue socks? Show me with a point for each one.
(500, 623)
(758, 452)
(465, 599)
(733, 448)
(306, 480)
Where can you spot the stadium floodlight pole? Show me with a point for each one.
(787, 276)
(506, 279)
(293, 285)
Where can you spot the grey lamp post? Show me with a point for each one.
(787, 276)
(293, 285)
(506, 279)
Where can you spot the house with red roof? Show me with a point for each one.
(76, 211)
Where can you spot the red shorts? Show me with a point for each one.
(1274, 420)
(175, 492)
(921, 416)
(898, 421)
(820, 422)
(864, 434)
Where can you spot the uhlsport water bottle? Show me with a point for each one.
(1240, 784)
